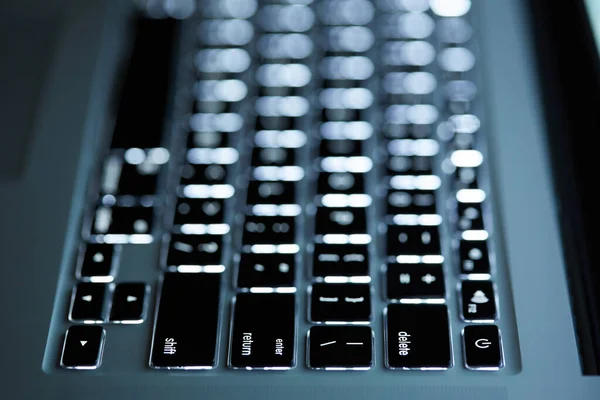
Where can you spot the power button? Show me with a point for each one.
(482, 347)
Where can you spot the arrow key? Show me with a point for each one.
(87, 303)
(129, 303)
(83, 347)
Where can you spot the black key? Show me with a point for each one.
(341, 220)
(275, 123)
(340, 302)
(199, 211)
(143, 103)
(271, 192)
(470, 217)
(87, 302)
(203, 174)
(407, 131)
(340, 148)
(273, 156)
(411, 202)
(122, 224)
(482, 347)
(340, 182)
(136, 175)
(269, 230)
(415, 281)
(83, 347)
(340, 260)
(186, 326)
(465, 178)
(209, 139)
(410, 165)
(474, 257)
(98, 262)
(340, 347)
(413, 240)
(195, 250)
(262, 335)
(129, 303)
(417, 336)
(478, 300)
(266, 270)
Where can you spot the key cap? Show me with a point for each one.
(266, 270)
(135, 174)
(478, 301)
(83, 347)
(413, 240)
(199, 211)
(203, 174)
(465, 178)
(262, 334)
(123, 224)
(410, 165)
(340, 347)
(340, 182)
(340, 260)
(474, 257)
(340, 302)
(98, 262)
(470, 217)
(129, 303)
(415, 281)
(273, 156)
(194, 250)
(345, 220)
(144, 98)
(411, 202)
(186, 326)
(87, 303)
(269, 230)
(454, 30)
(271, 192)
(209, 139)
(340, 148)
(417, 336)
(482, 347)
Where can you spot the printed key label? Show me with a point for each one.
(403, 343)
(279, 347)
(247, 344)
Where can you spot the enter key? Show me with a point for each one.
(263, 332)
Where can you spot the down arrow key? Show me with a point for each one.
(82, 348)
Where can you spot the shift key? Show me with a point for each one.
(185, 332)
(263, 333)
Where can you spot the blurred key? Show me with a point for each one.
(142, 109)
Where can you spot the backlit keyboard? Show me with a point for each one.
(314, 177)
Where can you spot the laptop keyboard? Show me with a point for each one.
(320, 138)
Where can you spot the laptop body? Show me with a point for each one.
(45, 209)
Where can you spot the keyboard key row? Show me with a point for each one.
(263, 331)
(328, 347)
